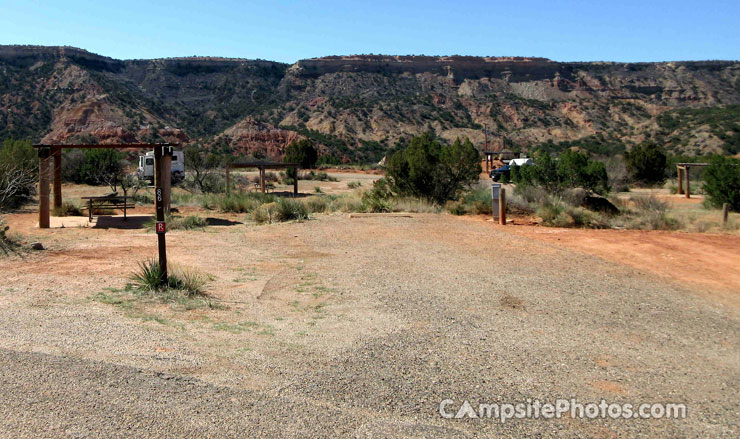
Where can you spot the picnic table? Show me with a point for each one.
(110, 201)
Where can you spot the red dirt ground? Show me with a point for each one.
(710, 263)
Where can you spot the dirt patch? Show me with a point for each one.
(703, 261)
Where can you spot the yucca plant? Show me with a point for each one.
(149, 276)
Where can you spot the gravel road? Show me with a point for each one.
(415, 311)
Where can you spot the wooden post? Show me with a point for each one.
(502, 207)
(159, 177)
(688, 185)
(680, 180)
(725, 213)
(262, 179)
(44, 220)
(167, 177)
(57, 154)
(295, 183)
(228, 181)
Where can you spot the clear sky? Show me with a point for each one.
(283, 30)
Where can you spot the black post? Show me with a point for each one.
(159, 201)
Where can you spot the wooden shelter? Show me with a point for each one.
(261, 166)
(684, 172)
(48, 153)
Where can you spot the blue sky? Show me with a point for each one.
(287, 31)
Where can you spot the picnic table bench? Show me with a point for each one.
(110, 201)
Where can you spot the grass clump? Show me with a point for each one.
(149, 277)
(354, 184)
(67, 209)
(174, 222)
(287, 209)
(240, 202)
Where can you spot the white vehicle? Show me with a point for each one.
(146, 166)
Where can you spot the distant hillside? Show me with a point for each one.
(357, 107)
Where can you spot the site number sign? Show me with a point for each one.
(161, 227)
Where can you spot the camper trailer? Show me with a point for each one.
(146, 166)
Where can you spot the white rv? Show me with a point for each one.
(146, 166)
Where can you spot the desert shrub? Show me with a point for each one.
(616, 169)
(144, 199)
(149, 277)
(202, 167)
(176, 222)
(67, 209)
(18, 173)
(477, 202)
(411, 204)
(517, 204)
(653, 220)
(317, 176)
(8, 244)
(649, 203)
(318, 204)
(722, 182)
(348, 203)
(531, 194)
(552, 213)
(186, 223)
(428, 169)
(573, 169)
(317, 189)
(456, 208)
(646, 163)
(263, 214)
(98, 167)
(236, 202)
(287, 209)
(354, 184)
(378, 199)
(651, 214)
(302, 152)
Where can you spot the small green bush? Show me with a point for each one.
(647, 163)
(287, 209)
(354, 184)
(722, 182)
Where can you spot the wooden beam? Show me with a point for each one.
(159, 177)
(167, 177)
(263, 165)
(56, 152)
(688, 183)
(44, 214)
(109, 146)
(295, 183)
(262, 179)
(502, 207)
(680, 179)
